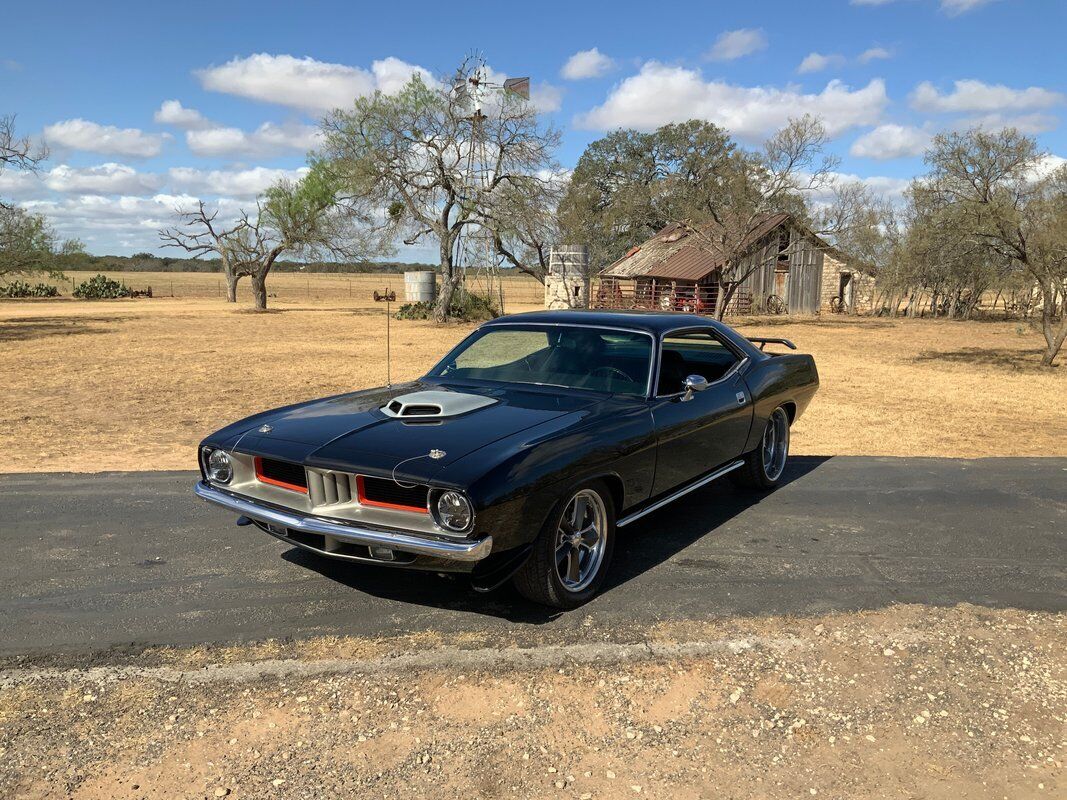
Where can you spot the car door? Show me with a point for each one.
(698, 431)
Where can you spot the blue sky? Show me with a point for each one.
(98, 81)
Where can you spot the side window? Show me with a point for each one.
(697, 353)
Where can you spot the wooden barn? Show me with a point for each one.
(793, 271)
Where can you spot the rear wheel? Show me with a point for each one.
(572, 553)
(764, 466)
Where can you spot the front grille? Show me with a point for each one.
(328, 488)
(282, 473)
(387, 493)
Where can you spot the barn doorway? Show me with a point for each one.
(844, 291)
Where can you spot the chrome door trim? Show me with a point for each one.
(680, 493)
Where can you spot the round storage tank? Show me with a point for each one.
(420, 287)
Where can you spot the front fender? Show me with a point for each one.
(515, 482)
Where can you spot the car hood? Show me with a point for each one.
(351, 432)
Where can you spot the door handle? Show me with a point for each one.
(741, 398)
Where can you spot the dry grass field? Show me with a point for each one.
(135, 384)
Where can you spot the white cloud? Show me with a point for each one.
(391, 75)
(973, 95)
(951, 7)
(266, 140)
(80, 134)
(816, 62)
(237, 183)
(735, 44)
(107, 224)
(1047, 165)
(661, 93)
(873, 54)
(1024, 123)
(587, 64)
(891, 141)
(545, 97)
(956, 7)
(110, 178)
(891, 189)
(305, 83)
(20, 183)
(172, 112)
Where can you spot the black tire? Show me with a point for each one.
(759, 471)
(539, 579)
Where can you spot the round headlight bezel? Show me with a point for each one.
(218, 473)
(443, 515)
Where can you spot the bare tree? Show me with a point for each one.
(200, 233)
(524, 223)
(410, 154)
(18, 152)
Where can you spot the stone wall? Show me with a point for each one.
(862, 285)
(566, 291)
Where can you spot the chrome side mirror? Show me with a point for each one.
(694, 383)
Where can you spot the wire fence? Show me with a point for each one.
(355, 290)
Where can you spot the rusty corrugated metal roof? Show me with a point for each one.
(685, 264)
(650, 258)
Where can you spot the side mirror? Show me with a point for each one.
(694, 383)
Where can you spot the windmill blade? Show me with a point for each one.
(519, 86)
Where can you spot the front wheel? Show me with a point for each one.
(571, 555)
(764, 466)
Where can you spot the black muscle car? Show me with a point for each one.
(521, 452)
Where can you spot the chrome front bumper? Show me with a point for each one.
(460, 550)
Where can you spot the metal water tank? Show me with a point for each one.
(420, 287)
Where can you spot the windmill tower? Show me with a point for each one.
(475, 88)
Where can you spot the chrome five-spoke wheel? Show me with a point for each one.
(570, 556)
(580, 540)
(775, 447)
(764, 464)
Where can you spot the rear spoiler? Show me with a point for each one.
(763, 341)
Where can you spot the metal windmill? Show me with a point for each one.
(474, 88)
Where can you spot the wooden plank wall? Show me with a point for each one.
(805, 274)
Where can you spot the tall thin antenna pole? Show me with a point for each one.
(388, 343)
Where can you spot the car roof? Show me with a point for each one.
(654, 322)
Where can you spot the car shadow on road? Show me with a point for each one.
(639, 548)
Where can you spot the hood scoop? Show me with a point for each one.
(434, 405)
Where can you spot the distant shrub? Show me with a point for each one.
(23, 289)
(466, 307)
(101, 287)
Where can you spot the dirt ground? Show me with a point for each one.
(135, 384)
(905, 702)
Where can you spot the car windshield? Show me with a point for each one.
(574, 357)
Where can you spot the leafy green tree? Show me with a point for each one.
(29, 245)
(989, 187)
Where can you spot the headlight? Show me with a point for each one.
(453, 511)
(219, 468)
